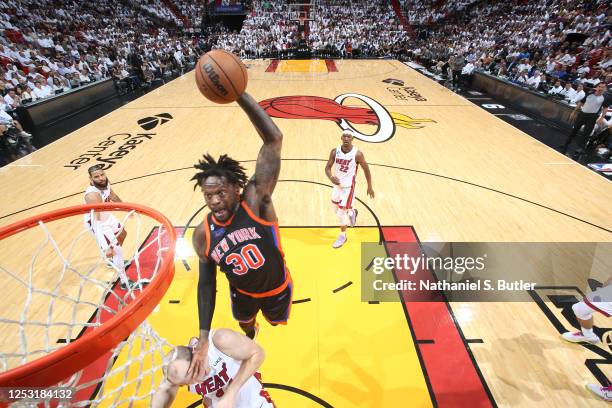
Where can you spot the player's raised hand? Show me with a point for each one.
(197, 367)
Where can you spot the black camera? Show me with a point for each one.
(12, 136)
(18, 142)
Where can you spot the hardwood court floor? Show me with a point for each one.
(439, 164)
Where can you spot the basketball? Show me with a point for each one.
(221, 76)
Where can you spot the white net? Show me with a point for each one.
(61, 287)
(133, 372)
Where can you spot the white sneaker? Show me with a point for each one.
(604, 393)
(340, 241)
(354, 217)
(578, 337)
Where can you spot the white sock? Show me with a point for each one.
(343, 233)
(588, 332)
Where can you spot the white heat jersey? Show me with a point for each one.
(223, 370)
(345, 166)
(105, 194)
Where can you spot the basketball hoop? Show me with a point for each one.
(83, 286)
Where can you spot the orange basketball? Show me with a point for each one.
(221, 76)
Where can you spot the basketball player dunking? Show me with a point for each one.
(108, 231)
(230, 377)
(345, 159)
(240, 235)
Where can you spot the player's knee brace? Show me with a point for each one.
(582, 311)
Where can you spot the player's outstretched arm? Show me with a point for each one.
(207, 293)
(239, 347)
(164, 396)
(259, 190)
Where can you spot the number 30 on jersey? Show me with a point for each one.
(249, 258)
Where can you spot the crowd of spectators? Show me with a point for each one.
(425, 12)
(192, 10)
(63, 45)
(48, 47)
(159, 10)
(357, 28)
(267, 31)
(338, 28)
(558, 47)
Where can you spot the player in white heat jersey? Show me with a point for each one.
(230, 378)
(108, 231)
(345, 160)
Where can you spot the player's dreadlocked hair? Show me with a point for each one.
(224, 167)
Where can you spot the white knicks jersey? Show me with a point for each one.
(345, 166)
(223, 370)
(105, 194)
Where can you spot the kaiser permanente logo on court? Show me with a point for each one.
(114, 147)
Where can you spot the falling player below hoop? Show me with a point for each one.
(223, 383)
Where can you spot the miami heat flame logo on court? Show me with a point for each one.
(316, 107)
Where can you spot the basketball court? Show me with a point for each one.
(443, 170)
